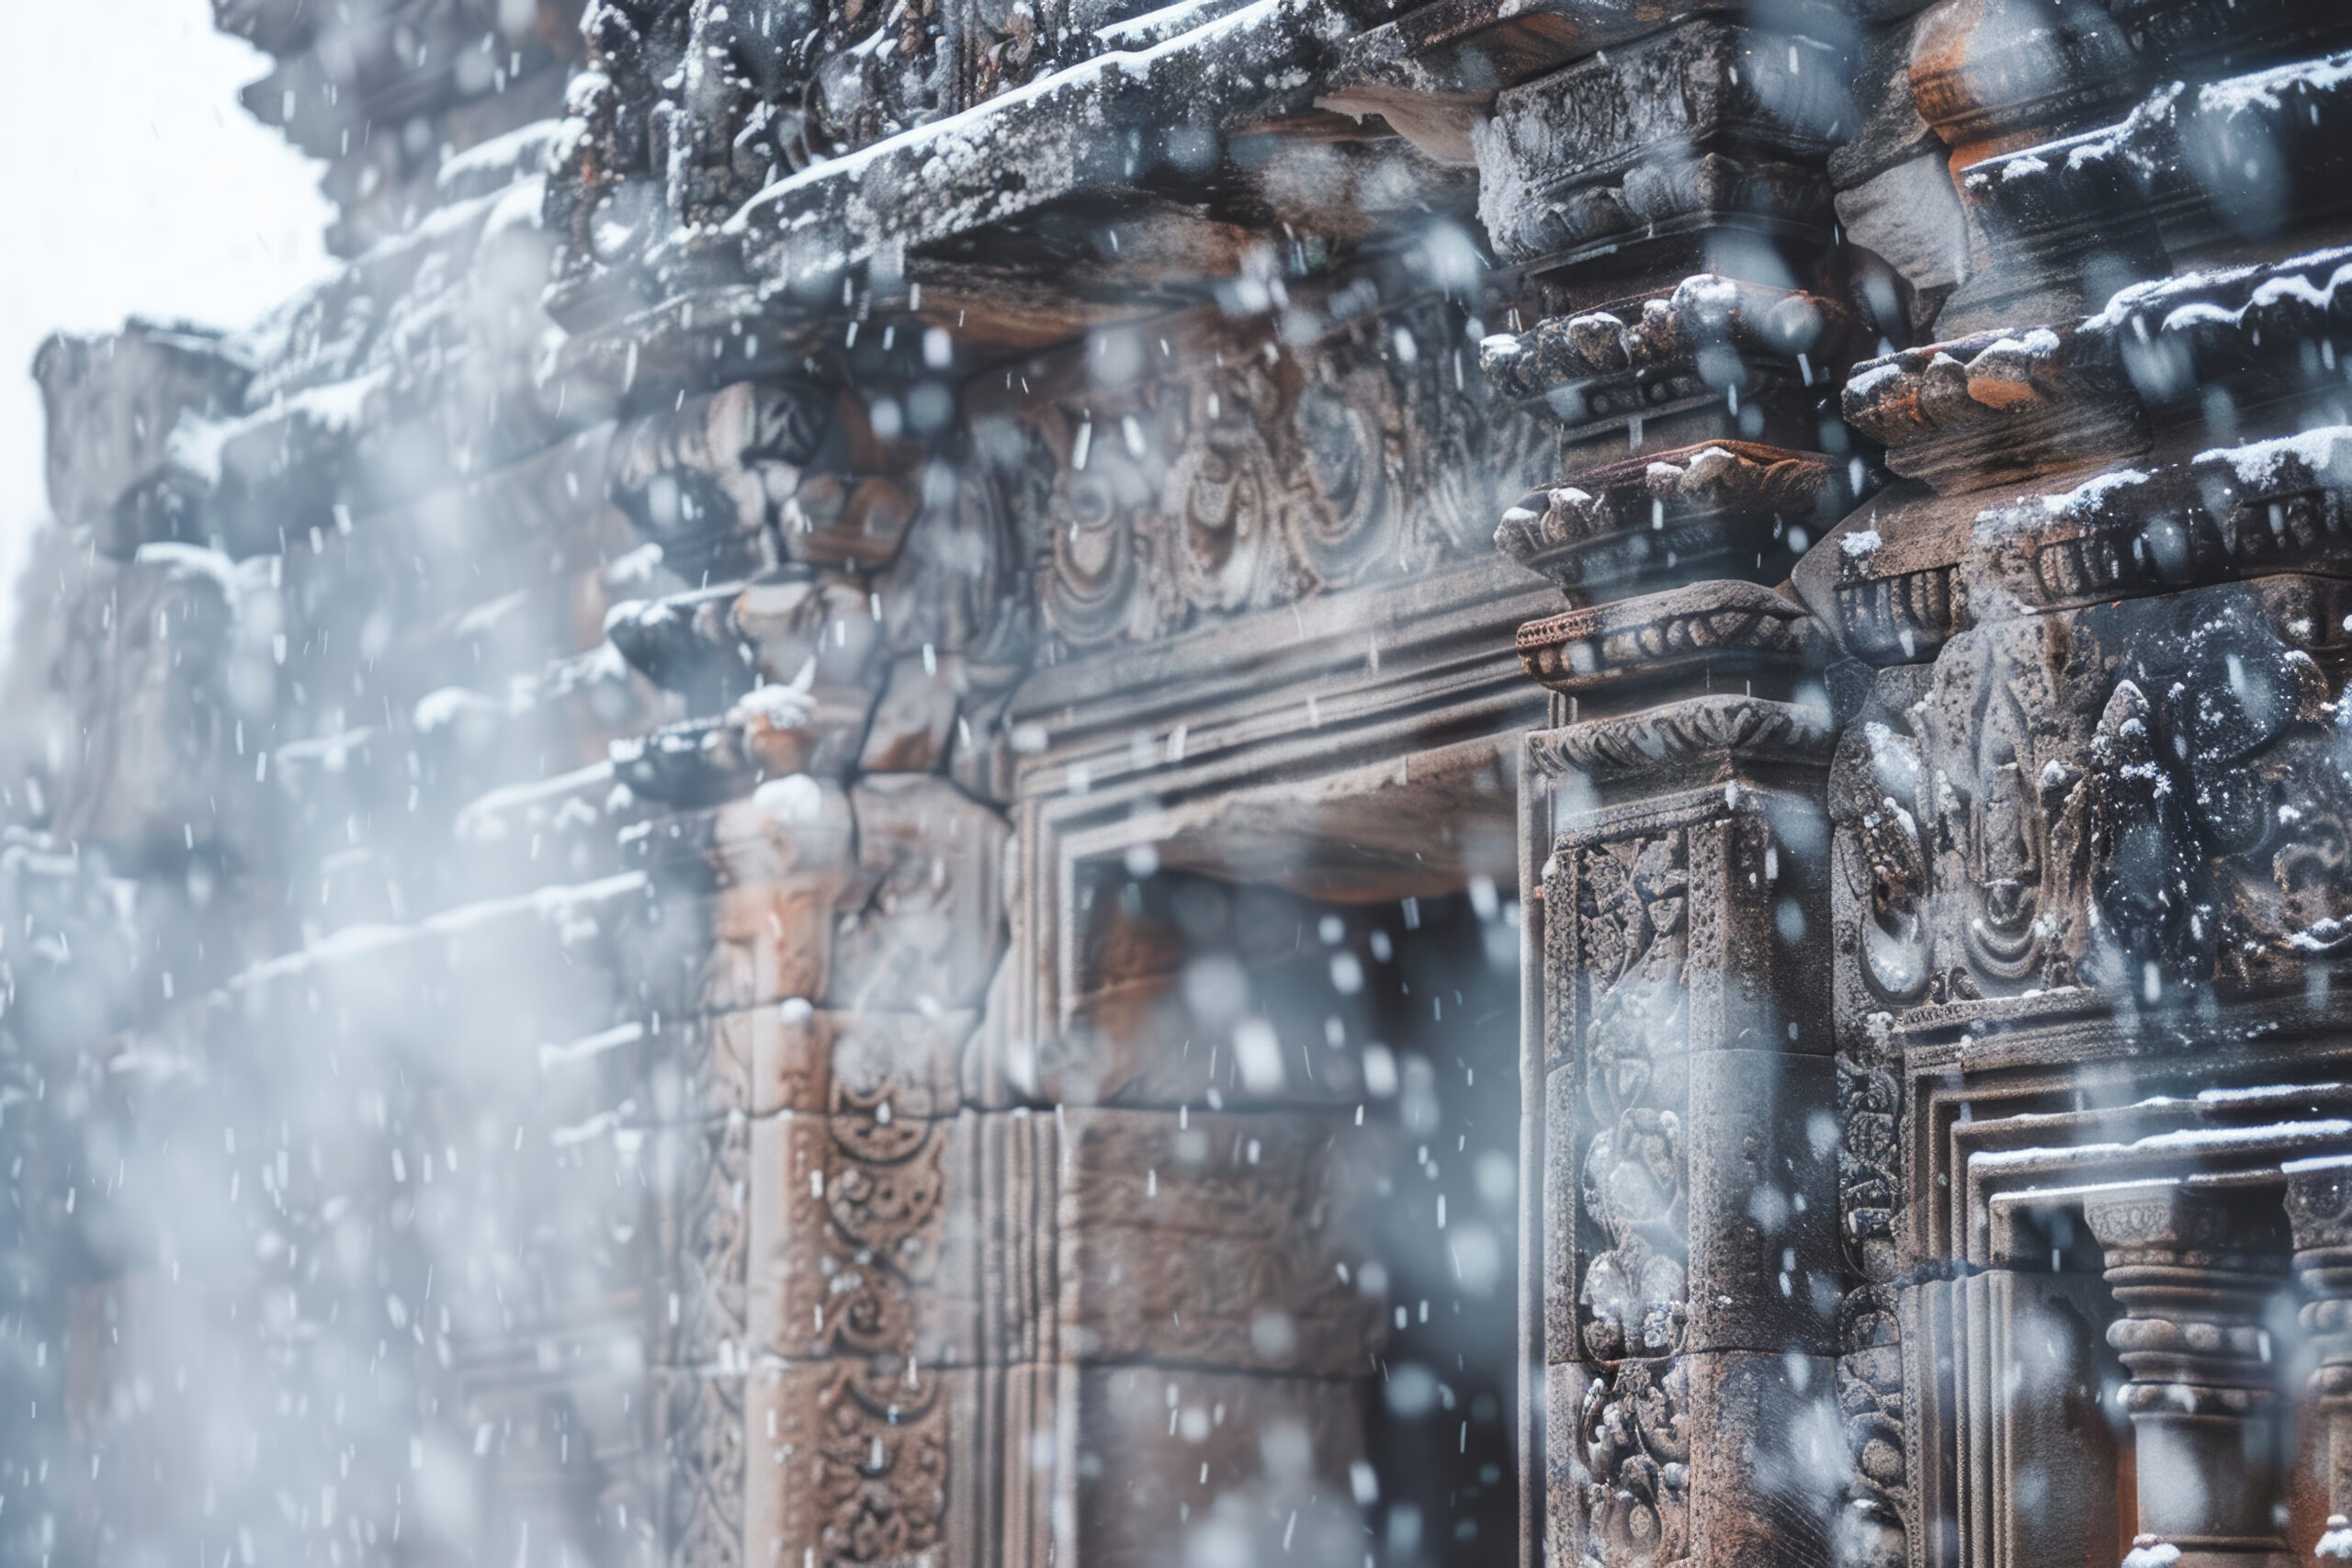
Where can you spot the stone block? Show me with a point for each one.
(768, 941)
(934, 927)
(2112, 715)
(114, 405)
(1705, 121)
(916, 717)
(1180, 1466)
(1214, 1238)
(698, 1426)
(147, 670)
(1983, 68)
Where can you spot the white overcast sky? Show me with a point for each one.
(132, 183)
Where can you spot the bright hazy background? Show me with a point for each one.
(132, 183)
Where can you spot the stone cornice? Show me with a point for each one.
(1726, 627)
(1679, 735)
(1643, 516)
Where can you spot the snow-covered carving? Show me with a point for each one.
(2165, 809)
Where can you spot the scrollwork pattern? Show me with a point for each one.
(1271, 475)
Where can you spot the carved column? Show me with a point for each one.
(2202, 1393)
(1667, 198)
(1691, 1279)
(1691, 1283)
(2319, 1207)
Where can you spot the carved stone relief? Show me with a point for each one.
(1634, 901)
(2138, 799)
(1269, 477)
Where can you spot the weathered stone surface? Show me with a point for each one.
(2180, 160)
(860, 867)
(839, 1465)
(1242, 1457)
(1910, 214)
(114, 405)
(2030, 880)
(1646, 519)
(1214, 1239)
(1980, 68)
(930, 933)
(1890, 130)
(1666, 133)
(1994, 406)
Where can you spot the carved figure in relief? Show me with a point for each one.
(2208, 830)
(2148, 893)
(1636, 942)
(2096, 802)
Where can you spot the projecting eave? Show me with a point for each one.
(1143, 174)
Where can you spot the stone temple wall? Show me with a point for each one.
(815, 830)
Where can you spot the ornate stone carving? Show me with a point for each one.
(1682, 511)
(703, 1432)
(1730, 627)
(1267, 478)
(1633, 904)
(851, 1463)
(1634, 1434)
(1707, 340)
(1697, 730)
(717, 482)
(1696, 124)
(1966, 414)
(2147, 815)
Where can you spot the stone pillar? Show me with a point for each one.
(2201, 1397)
(1681, 266)
(1692, 1281)
(2319, 1207)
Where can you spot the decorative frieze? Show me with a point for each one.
(1708, 123)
